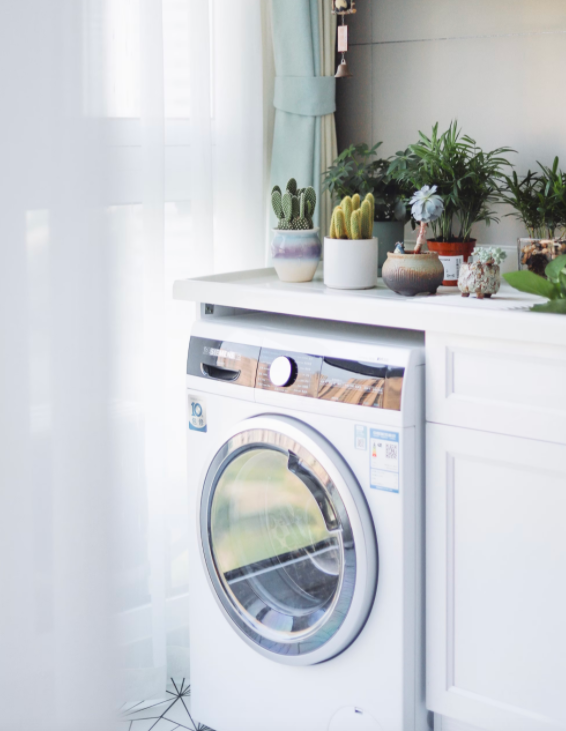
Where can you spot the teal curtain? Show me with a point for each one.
(301, 97)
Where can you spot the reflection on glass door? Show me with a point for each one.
(271, 544)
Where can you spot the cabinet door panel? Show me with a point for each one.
(496, 573)
(505, 387)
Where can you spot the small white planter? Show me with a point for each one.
(350, 264)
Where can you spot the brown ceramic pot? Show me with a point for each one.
(410, 274)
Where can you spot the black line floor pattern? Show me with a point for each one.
(166, 715)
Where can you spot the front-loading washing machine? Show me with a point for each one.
(306, 550)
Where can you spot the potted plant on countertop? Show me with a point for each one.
(539, 200)
(482, 276)
(418, 271)
(469, 182)
(296, 247)
(350, 251)
(552, 285)
(356, 171)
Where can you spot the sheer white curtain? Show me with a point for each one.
(131, 154)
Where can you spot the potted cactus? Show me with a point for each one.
(295, 248)
(350, 251)
(482, 275)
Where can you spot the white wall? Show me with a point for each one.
(498, 66)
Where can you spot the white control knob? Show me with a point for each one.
(282, 371)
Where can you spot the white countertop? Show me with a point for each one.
(504, 316)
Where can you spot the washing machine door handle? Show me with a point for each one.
(312, 483)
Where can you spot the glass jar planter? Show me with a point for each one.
(535, 254)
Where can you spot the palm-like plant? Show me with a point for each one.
(539, 200)
(469, 180)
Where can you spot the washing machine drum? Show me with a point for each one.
(288, 541)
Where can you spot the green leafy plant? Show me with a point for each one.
(294, 208)
(353, 218)
(356, 171)
(553, 287)
(539, 200)
(469, 180)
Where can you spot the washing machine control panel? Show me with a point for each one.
(301, 374)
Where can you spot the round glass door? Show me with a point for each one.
(278, 539)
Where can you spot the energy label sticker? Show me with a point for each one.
(197, 414)
(384, 460)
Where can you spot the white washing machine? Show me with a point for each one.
(305, 448)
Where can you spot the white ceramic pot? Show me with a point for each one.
(350, 264)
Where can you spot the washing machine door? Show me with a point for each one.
(288, 541)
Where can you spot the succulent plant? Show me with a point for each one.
(294, 208)
(489, 254)
(352, 219)
(426, 205)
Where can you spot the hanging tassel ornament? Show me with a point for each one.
(343, 8)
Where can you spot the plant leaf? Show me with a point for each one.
(554, 267)
(532, 283)
(557, 307)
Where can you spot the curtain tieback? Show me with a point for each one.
(310, 96)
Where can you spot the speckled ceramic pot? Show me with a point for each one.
(295, 254)
(411, 274)
(480, 279)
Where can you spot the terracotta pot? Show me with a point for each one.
(410, 274)
(452, 254)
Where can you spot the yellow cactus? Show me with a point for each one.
(347, 206)
(369, 197)
(338, 225)
(356, 201)
(357, 225)
(367, 221)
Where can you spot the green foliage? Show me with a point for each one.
(356, 171)
(295, 208)
(553, 288)
(469, 180)
(539, 200)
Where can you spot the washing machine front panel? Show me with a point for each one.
(287, 540)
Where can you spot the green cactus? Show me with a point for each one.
(288, 205)
(356, 201)
(277, 203)
(310, 194)
(371, 200)
(294, 208)
(292, 186)
(356, 224)
(366, 220)
(347, 207)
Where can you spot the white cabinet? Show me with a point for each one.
(496, 580)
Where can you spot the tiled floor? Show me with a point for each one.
(162, 715)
